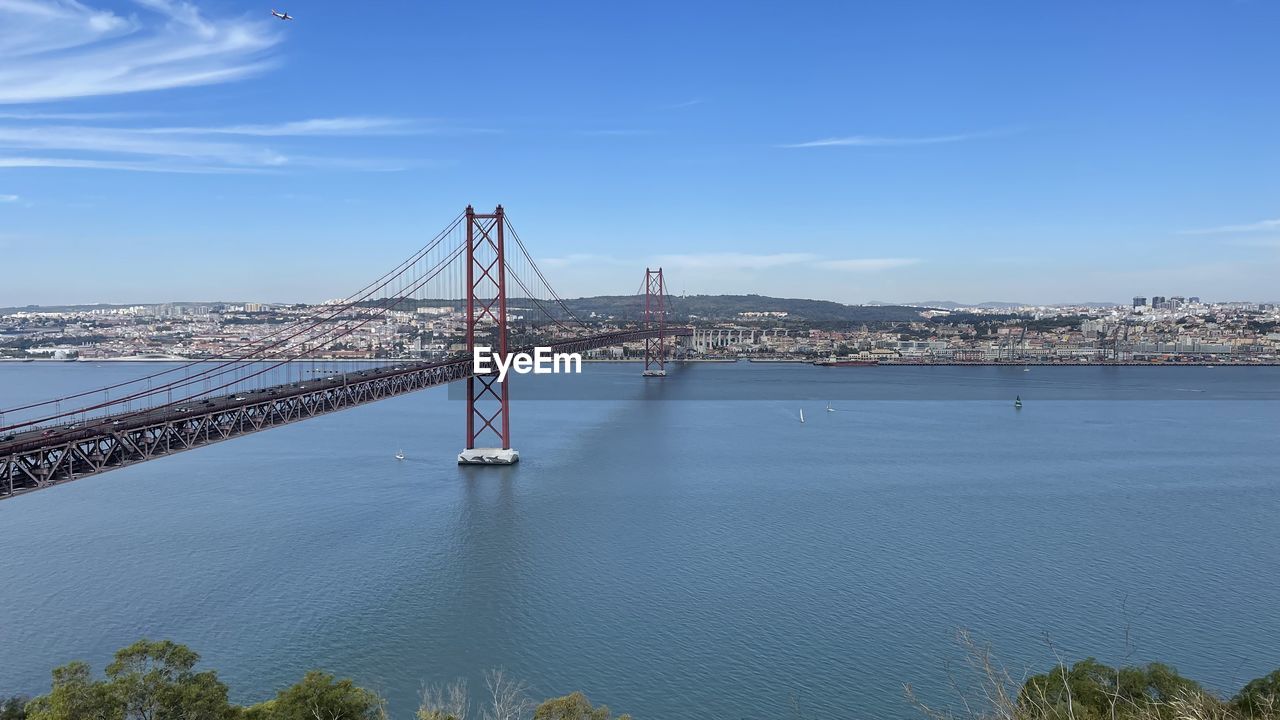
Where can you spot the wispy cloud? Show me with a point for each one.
(60, 49)
(735, 261)
(9, 198)
(319, 127)
(56, 50)
(867, 264)
(685, 104)
(1260, 226)
(123, 141)
(887, 141)
(617, 133)
(187, 149)
(144, 166)
(68, 116)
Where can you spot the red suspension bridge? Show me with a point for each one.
(275, 379)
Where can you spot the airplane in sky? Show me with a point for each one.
(282, 16)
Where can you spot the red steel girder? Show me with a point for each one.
(655, 319)
(486, 270)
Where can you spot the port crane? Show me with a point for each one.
(1010, 345)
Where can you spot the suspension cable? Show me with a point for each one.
(348, 302)
(222, 368)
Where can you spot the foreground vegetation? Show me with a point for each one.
(1090, 690)
(158, 681)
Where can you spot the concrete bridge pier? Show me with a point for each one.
(489, 456)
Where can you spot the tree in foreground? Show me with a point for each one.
(13, 708)
(158, 681)
(1259, 698)
(508, 697)
(445, 702)
(508, 700)
(574, 706)
(320, 696)
(146, 681)
(1090, 690)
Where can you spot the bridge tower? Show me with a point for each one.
(655, 317)
(488, 407)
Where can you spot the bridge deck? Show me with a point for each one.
(41, 458)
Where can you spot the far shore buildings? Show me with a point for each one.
(1166, 329)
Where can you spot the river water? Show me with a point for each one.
(709, 557)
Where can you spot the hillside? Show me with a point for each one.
(704, 307)
(727, 307)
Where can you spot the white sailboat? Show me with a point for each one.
(399, 454)
(829, 408)
(802, 415)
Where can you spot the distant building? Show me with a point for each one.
(1139, 302)
(1159, 302)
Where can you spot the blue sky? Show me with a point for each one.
(155, 150)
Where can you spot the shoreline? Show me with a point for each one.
(757, 361)
(178, 358)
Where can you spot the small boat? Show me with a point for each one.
(400, 455)
(801, 415)
(1026, 369)
(1017, 401)
(829, 408)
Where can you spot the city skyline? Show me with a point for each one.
(1077, 153)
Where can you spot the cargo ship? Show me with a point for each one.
(832, 362)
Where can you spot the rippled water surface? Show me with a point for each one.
(710, 558)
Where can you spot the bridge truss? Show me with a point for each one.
(127, 440)
(260, 384)
(655, 319)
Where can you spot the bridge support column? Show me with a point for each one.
(488, 406)
(655, 317)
